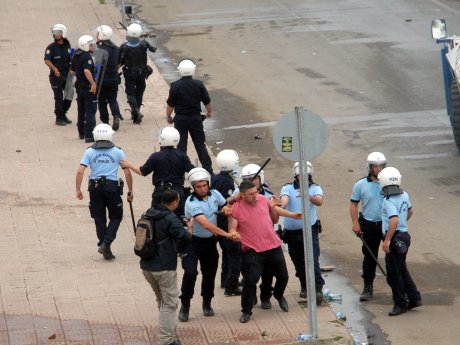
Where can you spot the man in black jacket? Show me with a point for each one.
(160, 271)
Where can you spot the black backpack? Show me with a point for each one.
(145, 245)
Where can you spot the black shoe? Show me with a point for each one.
(104, 249)
(397, 310)
(367, 293)
(81, 136)
(319, 298)
(245, 317)
(265, 304)
(283, 304)
(234, 292)
(67, 120)
(183, 313)
(137, 121)
(116, 123)
(414, 304)
(207, 310)
(60, 122)
(303, 293)
(89, 140)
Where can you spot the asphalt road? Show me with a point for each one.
(371, 70)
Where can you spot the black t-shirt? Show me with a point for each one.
(111, 71)
(186, 94)
(82, 60)
(167, 165)
(59, 55)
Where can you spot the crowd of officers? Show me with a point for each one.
(242, 219)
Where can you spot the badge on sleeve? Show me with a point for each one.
(90, 61)
(47, 51)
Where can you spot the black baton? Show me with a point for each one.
(261, 168)
(132, 215)
(372, 255)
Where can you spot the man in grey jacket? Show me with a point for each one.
(160, 270)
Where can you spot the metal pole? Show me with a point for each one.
(307, 233)
(123, 14)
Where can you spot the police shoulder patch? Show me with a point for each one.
(90, 61)
(47, 51)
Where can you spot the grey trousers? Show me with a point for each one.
(164, 284)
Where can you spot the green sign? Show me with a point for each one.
(286, 144)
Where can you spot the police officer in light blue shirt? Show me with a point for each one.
(368, 222)
(103, 158)
(203, 205)
(293, 229)
(396, 211)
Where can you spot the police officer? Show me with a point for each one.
(368, 222)
(57, 58)
(293, 229)
(168, 166)
(227, 161)
(135, 68)
(396, 211)
(203, 206)
(185, 97)
(103, 158)
(85, 85)
(109, 87)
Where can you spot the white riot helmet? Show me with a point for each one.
(250, 170)
(296, 169)
(198, 174)
(227, 160)
(134, 30)
(103, 132)
(85, 41)
(186, 68)
(390, 177)
(169, 136)
(376, 158)
(59, 28)
(104, 32)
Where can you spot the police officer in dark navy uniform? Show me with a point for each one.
(109, 87)
(185, 97)
(227, 161)
(135, 68)
(105, 190)
(85, 85)
(57, 58)
(168, 166)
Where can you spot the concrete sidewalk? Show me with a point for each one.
(55, 288)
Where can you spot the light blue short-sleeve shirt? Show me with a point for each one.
(295, 204)
(369, 193)
(396, 206)
(103, 162)
(194, 206)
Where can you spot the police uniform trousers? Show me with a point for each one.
(108, 95)
(134, 87)
(230, 269)
(87, 108)
(398, 276)
(158, 194)
(164, 285)
(294, 240)
(372, 235)
(254, 264)
(193, 124)
(104, 198)
(204, 251)
(61, 105)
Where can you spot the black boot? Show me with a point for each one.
(184, 311)
(66, 119)
(59, 121)
(136, 116)
(105, 250)
(368, 292)
(207, 309)
(116, 123)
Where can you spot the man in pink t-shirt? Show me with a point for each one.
(253, 219)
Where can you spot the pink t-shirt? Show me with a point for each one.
(255, 225)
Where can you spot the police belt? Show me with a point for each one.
(102, 181)
(372, 222)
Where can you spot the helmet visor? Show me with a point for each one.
(57, 32)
